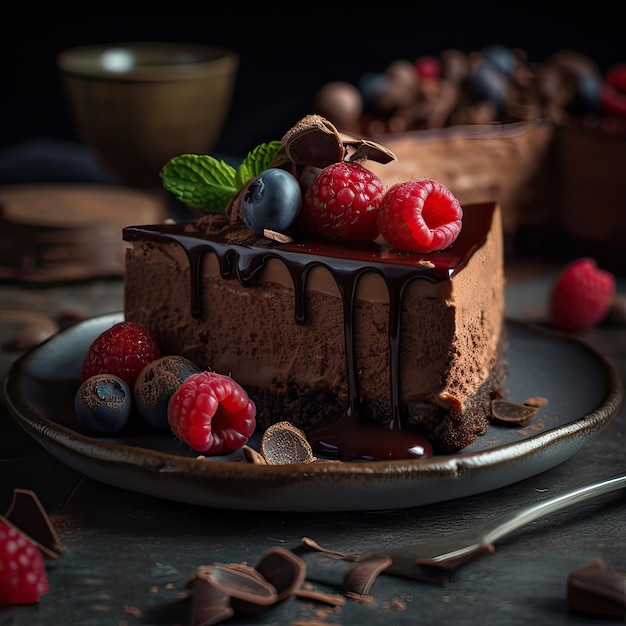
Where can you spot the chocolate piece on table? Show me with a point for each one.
(593, 589)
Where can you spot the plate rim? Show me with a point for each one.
(154, 463)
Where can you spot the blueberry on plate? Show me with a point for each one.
(103, 403)
(271, 201)
(156, 384)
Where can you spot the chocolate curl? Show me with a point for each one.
(283, 569)
(224, 590)
(210, 603)
(313, 141)
(27, 515)
(354, 576)
(249, 591)
(363, 574)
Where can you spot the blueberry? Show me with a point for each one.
(103, 403)
(486, 82)
(503, 58)
(156, 384)
(588, 92)
(272, 200)
(372, 85)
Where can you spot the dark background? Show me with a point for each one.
(283, 61)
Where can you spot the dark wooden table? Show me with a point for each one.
(127, 557)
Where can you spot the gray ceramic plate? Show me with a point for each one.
(583, 389)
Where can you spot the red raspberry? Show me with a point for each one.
(613, 91)
(342, 202)
(581, 295)
(123, 350)
(211, 413)
(420, 215)
(23, 577)
(428, 67)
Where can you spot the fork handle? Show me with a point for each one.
(508, 523)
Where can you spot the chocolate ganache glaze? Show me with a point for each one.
(344, 435)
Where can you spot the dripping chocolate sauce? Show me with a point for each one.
(344, 436)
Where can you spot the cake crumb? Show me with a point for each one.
(332, 599)
(398, 604)
(133, 610)
(537, 401)
(362, 598)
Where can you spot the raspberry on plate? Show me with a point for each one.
(23, 577)
(581, 296)
(420, 215)
(122, 350)
(212, 413)
(342, 203)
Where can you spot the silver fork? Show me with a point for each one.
(433, 561)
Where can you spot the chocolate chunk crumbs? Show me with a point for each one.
(132, 610)
(537, 401)
(398, 604)
(280, 237)
(363, 599)
(332, 599)
(512, 413)
(594, 590)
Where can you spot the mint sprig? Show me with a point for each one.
(206, 184)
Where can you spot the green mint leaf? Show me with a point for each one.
(257, 161)
(202, 182)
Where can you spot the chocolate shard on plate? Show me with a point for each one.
(283, 443)
(512, 413)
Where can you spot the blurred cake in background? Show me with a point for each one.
(51, 232)
(546, 140)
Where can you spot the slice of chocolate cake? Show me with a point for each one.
(367, 348)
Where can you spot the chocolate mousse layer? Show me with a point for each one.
(332, 337)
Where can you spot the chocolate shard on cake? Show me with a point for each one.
(372, 351)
